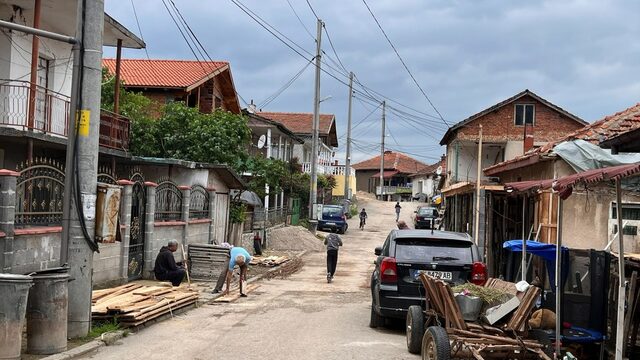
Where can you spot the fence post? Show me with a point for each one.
(7, 217)
(150, 217)
(125, 226)
(186, 202)
(212, 213)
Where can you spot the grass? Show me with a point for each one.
(100, 328)
(488, 295)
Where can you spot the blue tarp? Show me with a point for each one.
(546, 251)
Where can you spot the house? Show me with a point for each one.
(509, 129)
(40, 131)
(588, 215)
(398, 168)
(427, 182)
(206, 85)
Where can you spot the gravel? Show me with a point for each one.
(295, 238)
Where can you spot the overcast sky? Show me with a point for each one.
(583, 56)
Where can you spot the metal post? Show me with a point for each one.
(384, 108)
(266, 186)
(347, 160)
(313, 189)
(84, 162)
(524, 241)
(558, 278)
(476, 232)
(620, 340)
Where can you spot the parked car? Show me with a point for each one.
(425, 218)
(449, 256)
(333, 218)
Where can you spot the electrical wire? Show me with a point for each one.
(300, 20)
(403, 63)
(275, 95)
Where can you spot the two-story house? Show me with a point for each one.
(509, 129)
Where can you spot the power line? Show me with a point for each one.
(313, 11)
(404, 64)
(273, 96)
(300, 20)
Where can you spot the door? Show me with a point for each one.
(295, 211)
(136, 234)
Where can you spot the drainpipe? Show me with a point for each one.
(455, 177)
(35, 45)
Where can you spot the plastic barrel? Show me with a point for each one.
(47, 314)
(13, 304)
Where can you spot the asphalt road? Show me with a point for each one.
(301, 317)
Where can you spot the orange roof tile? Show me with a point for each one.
(393, 161)
(300, 123)
(164, 73)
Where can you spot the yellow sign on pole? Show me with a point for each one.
(83, 118)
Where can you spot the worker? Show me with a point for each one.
(237, 256)
(402, 225)
(398, 207)
(333, 243)
(166, 267)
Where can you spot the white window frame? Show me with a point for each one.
(524, 120)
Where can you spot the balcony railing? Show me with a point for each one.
(327, 169)
(51, 114)
(392, 190)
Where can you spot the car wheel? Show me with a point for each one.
(414, 329)
(435, 344)
(376, 320)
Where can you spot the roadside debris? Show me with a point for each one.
(269, 261)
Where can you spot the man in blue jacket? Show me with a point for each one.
(237, 256)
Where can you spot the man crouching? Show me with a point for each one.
(237, 256)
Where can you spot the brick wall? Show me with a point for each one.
(500, 125)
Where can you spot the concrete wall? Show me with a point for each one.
(107, 264)
(34, 251)
(339, 189)
(466, 155)
(362, 179)
(198, 232)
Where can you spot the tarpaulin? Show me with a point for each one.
(583, 155)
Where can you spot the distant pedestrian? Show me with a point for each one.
(166, 268)
(398, 207)
(363, 219)
(237, 256)
(333, 243)
(402, 225)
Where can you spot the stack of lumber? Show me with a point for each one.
(206, 262)
(270, 261)
(134, 304)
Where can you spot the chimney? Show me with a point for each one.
(528, 143)
(252, 108)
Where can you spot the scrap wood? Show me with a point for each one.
(499, 339)
(98, 294)
(523, 312)
(119, 291)
(506, 286)
(167, 310)
(233, 295)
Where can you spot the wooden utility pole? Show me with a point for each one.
(384, 108)
(476, 224)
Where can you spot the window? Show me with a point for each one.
(525, 114)
(629, 211)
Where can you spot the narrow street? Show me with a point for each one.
(301, 317)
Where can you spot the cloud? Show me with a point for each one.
(468, 55)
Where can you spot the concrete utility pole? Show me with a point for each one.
(476, 224)
(82, 166)
(313, 189)
(347, 161)
(384, 108)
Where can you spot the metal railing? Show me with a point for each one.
(199, 203)
(51, 114)
(168, 202)
(391, 190)
(327, 169)
(39, 193)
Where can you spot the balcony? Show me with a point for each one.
(393, 190)
(51, 114)
(327, 169)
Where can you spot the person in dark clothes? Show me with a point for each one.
(166, 268)
(398, 207)
(333, 242)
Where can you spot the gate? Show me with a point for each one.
(136, 234)
(295, 211)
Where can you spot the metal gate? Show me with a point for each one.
(136, 234)
(295, 211)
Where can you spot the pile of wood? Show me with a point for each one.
(206, 262)
(134, 304)
(270, 261)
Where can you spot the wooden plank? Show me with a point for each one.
(236, 295)
(119, 292)
(499, 339)
(631, 299)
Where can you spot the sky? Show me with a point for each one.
(583, 56)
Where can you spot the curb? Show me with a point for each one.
(111, 338)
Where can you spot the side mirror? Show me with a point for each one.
(378, 251)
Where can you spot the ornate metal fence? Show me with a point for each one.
(39, 191)
(106, 176)
(199, 203)
(168, 201)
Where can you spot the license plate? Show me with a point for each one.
(442, 275)
(331, 224)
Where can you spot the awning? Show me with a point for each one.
(530, 185)
(597, 175)
(386, 174)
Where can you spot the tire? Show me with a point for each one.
(544, 340)
(435, 344)
(414, 329)
(376, 320)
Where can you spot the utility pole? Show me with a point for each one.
(313, 189)
(347, 161)
(476, 224)
(81, 166)
(384, 108)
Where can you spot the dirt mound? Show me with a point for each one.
(294, 238)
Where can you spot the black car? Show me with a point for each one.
(425, 218)
(450, 256)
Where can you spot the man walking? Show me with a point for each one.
(237, 256)
(398, 207)
(333, 243)
(166, 268)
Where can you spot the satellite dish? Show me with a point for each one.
(439, 170)
(261, 141)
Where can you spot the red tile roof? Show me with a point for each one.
(595, 133)
(431, 169)
(300, 123)
(393, 161)
(165, 73)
